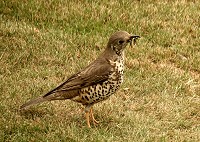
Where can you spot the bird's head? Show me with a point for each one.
(119, 40)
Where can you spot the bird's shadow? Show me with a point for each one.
(33, 113)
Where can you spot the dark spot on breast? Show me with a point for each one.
(107, 94)
(87, 92)
(87, 98)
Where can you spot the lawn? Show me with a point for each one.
(42, 42)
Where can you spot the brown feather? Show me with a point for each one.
(96, 72)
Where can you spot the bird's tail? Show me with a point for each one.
(33, 102)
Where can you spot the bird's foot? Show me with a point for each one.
(93, 119)
(89, 116)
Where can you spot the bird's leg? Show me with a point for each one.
(87, 115)
(87, 119)
(92, 116)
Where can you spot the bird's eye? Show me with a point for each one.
(121, 41)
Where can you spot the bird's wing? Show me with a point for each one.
(96, 72)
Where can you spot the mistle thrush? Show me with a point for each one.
(95, 83)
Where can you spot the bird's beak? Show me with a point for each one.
(134, 38)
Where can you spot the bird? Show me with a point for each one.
(97, 81)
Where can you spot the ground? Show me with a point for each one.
(42, 42)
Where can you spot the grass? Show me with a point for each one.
(42, 42)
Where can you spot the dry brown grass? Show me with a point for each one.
(44, 42)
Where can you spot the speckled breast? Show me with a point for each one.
(102, 91)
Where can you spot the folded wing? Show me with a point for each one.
(95, 73)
